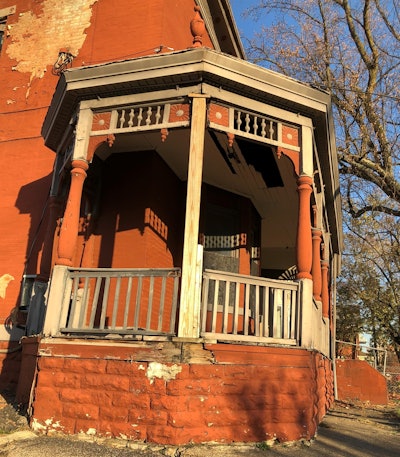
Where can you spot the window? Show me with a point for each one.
(4, 13)
(2, 30)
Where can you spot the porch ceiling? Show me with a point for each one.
(273, 190)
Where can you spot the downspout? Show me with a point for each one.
(333, 334)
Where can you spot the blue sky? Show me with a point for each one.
(245, 26)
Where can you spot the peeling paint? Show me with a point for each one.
(158, 370)
(50, 425)
(37, 39)
(4, 282)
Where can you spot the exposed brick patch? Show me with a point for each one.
(37, 38)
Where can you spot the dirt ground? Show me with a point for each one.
(347, 431)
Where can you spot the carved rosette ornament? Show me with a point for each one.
(197, 28)
(101, 121)
(179, 112)
(218, 114)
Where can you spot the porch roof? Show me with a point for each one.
(195, 67)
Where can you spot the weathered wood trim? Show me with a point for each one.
(188, 323)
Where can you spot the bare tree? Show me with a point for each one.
(369, 290)
(351, 49)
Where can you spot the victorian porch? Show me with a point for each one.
(201, 214)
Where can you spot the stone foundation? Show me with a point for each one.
(178, 393)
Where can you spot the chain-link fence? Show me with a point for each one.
(383, 360)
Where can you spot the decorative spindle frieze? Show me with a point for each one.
(140, 118)
(254, 126)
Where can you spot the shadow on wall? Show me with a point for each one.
(139, 191)
(278, 405)
(32, 199)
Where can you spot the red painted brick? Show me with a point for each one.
(112, 414)
(122, 399)
(123, 367)
(122, 429)
(105, 381)
(81, 411)
(86, 396)
(50, 363)
(47, 403)
(85, 366)
(51, 378)
(147, 417)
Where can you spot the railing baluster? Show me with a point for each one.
(226, 307)
(137, 304)
(148, 115)
(73, 304)
(293, 315)
(285, 315)
(140, 117)
(127, 301)
(150, 304)
(158, 114)
(104, 303)
(162, 301)
(257, 312)
(246, 320)
(84, 304)
(266, 312)
(215, 306)
(131, 117)
(206, 282)
(95, 301)
(122, 119)
(247, 123)
(174, 304)
(236, 309)
(116, 302)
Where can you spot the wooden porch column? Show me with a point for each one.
(316, 261)
(189, 308)
(70, 223)
(304, 241)
(325, 289)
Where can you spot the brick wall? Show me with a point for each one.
(357, 381)
(177, 393)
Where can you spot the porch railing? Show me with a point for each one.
(121, 301)
(249, 308)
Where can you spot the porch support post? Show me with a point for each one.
(70, 224)
(304, 188)
(325, 289)
(304, 241)
(189, 307)
(316, 261)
